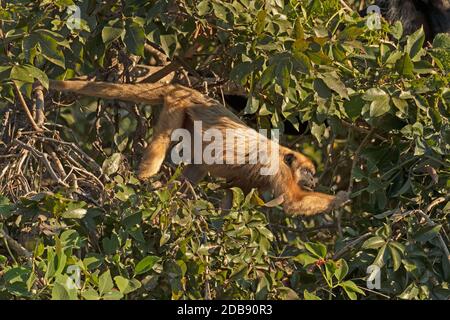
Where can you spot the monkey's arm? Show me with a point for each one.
(311, 203)
(144, 92)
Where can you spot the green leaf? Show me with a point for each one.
(165, 236)
(404, 66)
(380, 101)
(220, 11)
(109, 34)
(354, 106)
(427, 233)
(203, 7)
(6, 208)
(330, 269)
(105, 283)
(374, 243)
(21, 73)
(241, 72)
(16, 280)
(110, 245)
(318, 131)
(397, 30)
(342, 270)
(59, 292)
(305, 259)
(397, 245)
(49, 48)
(90, 294)
(301, 63)
(252, 105)
(317, 249)
(401, 104)
(64, 288)
(134, 38)
(374, 94)
(28, 74)
(111, 165)
(126, 286)
(379, 107)
(380, 258)
(112, 295)
(283, 74)
(394, 57)
(267, 76)
(396, 257)
(169, 44)
(411, 292)
(74, 214)
(299, 32)
(145, 264)
(260, 21)
(350, 33)
(4, 74)
(351, 289)
(69, 238)
(39, 75)
(442, 41)
(309, 296)
(336, 85)
(415, 43)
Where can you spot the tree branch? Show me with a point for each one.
(25, 108)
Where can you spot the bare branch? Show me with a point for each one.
(25, 108)
(39, 101)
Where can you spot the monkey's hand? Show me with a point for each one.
(312, 203)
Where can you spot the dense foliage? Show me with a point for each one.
(376, 104)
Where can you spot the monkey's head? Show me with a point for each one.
(301, 168)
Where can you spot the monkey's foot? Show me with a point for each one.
(147, 170)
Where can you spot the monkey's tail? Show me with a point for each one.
(152, 93)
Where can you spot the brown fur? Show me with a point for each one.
(182, 106)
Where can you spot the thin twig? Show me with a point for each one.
(362, 130)
(163, 72)
(39, 101)
(25, 108)
(77, 149)
(434, 203)
(43, 157)
(346, 6)
(158, 55)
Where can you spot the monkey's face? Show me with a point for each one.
(302, 169)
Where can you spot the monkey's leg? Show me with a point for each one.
(227, 201)
(172, 117)
(312, 203)
(194, 173)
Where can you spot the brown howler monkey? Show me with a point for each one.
(181, 107)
